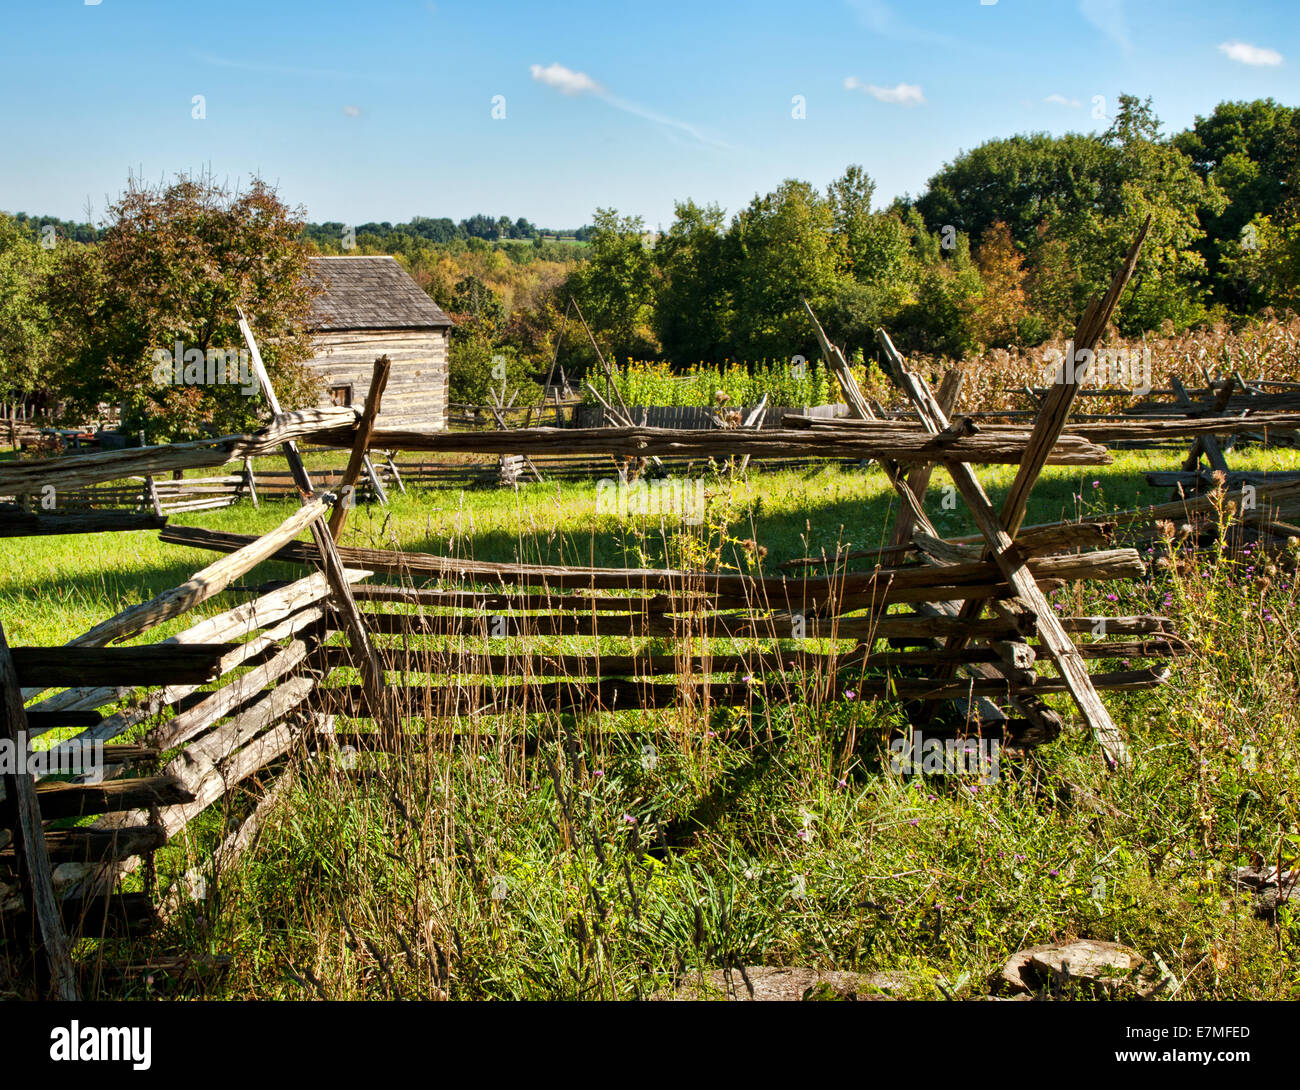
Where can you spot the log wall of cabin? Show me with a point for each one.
(416, 396)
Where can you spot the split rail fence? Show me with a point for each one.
(961, 631)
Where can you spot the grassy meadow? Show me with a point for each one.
(569, 858)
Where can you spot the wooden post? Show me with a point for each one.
(916, 483)
(1013, 566)
(151, 489)
(918, 479)
(859, 408)
(754, 420)
(509, 464)
(372, 669)
(251, 481)
(839, 367)
(1202, 444)
(392, 468)
(610, 386)
(365, 429)
(376, 485)
(1050, 422)
(1048, 427)
(22, 808)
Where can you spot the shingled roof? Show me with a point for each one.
(370, 293)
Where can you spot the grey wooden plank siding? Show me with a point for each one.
(370, 307)
(416, 396)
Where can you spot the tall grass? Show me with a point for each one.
(532, 854)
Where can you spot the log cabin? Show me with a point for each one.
(370, 307)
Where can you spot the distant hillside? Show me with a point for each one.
(334, 235)
(487, 228)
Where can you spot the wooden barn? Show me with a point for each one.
(370, 307)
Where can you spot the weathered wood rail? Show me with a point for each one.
(165, 730)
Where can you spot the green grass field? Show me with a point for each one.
(53, 588)
(577, 867)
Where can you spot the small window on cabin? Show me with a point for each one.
(341, 396)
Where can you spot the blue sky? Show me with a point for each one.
(384, 110)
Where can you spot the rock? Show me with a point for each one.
(1090, 963)
(887, 983)
(1270, 888)
(771, 983)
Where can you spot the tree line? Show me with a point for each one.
(395, 238)
(1002, 248)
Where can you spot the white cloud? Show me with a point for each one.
(1108, 17)
(569, 82)
(1061, 100)
(351, 111)
(1251, 54)
(565, 80)
(904, 94)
